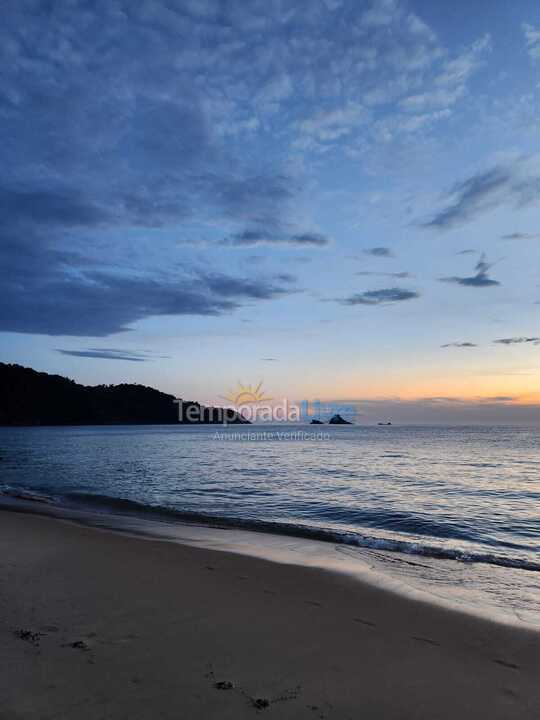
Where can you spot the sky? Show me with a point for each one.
(338, 198)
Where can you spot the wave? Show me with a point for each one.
(112, 505)
(31, 495)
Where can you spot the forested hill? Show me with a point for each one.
(28, 397)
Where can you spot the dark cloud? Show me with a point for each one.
(60, 207)
(516, 183)
(53, 292)
(480, 279)
(285, 277)
(101, 304)
(380, 297)
(310, 238)
(231, 287)
(472, 196)
(111, 354)
(518, 341)
(521, 236)
(459, 345)
(399, 275)
(379, 252)
(106, 130)
(269, 359)
(252, 237)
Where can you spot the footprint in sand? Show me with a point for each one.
(506, 664)
(429, 641)
(224, 685)
(28, 636)
(365, 622)
(77, 645)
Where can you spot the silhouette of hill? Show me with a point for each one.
(28, 397)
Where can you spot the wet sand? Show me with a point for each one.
(94, 625)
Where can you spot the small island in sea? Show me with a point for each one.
(337, 419)
(28, 397)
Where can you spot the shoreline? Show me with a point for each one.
(387, 569)
(102, 624)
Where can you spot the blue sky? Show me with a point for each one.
(340, 198)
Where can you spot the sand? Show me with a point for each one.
(96, 625)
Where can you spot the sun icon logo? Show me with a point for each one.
(246, 395)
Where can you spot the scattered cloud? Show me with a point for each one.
(518, 341)
(379, 252)
(516, 183)
(309, 238)
(285, 277)
(399, 275)
(480, 279)
(521, 236)
(334, 124)
(225, 286)
(112, 354)
(532, 40)
(380, 297)
(253, 237)
(55, 292)
(459, 345)
(449, 85)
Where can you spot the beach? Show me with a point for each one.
(96, 624)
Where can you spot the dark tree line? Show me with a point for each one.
(28, 397)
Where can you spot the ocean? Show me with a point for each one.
(452, 512)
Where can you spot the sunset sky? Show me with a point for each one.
(338, 198)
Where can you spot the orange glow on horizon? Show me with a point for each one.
(519, 389)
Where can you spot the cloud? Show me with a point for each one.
(159, 137)
(472, 197)
(54, 292)
(381, 14)
(101, 304)
(399, 275)
(111, 354)
(521, 236)
(309, 238)
(269, 359)
(516, 183)
(532, 40)
(285, 277)
(518, 341)
(457, 71)
(380, 297)
(379, 252)
(253, 237)
(225, 286)
(330, 125)
(480, 279)
(386, 58)
(460, 345)
(61, 207)
(469, 251)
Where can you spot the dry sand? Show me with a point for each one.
(98, 625)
